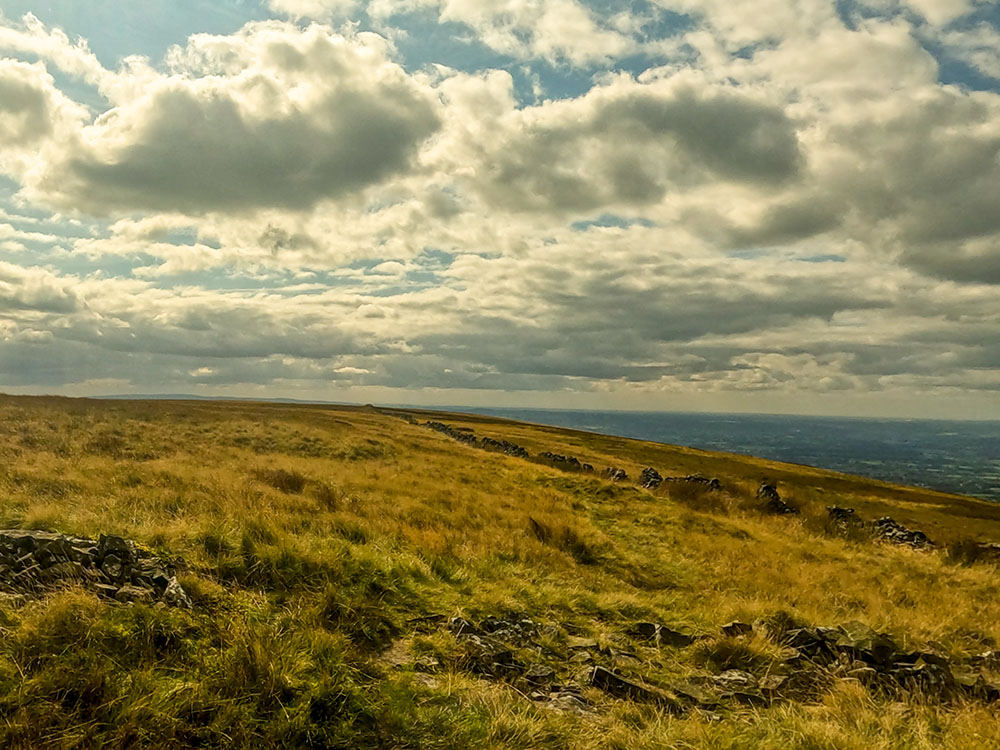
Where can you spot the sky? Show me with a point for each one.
(758, 206)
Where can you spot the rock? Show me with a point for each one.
(841, 515)
(176, 596)
(890, 531)
(650, 478)
(736, 679)
(113, 568)
(566, 698)
(661, 635)
(426, 664)
(67, 570)
(865, 675)
(490, 658)
(461, 626)
(646, 630)
(117, 546)
(772, 500)
(588, 469)
(735, 629)
(128, 594)
(503, 446)
(36, 560)
(105, 590)
(566, 463)
(539, 674)
(615, 474)
(619, 687)
(695, 692)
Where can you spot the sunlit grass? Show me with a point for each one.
(308, 537)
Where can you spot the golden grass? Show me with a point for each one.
(310, 535)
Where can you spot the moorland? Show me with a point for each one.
(354, 578)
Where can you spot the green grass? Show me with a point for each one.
(311, 537)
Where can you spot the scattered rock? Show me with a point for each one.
(538, 675)
(615, 474)
(566, 463)
(461, 436)
(467, 436)
(650, 478)
(890, 531)
(565, 698)
(661, 635)
(113, 567)
(735, 629)
(619, 687)
(712, 484)
(503, 446)
(856, 651)
(843, 516)
(772, 500)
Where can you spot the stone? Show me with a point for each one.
(650, 478)
(735, 629)
(615, 474)
(695, 692)
(736, 679)
(176, 596)
(106, 590)
(675, 638)
(841, 515)
(113, 568)
(84, 555)
(426, 664)
(566, 463)
(37, 560)
(539, 674)
(890, 531)
(616, 685)
(128, 594)
(66, 570)
(661, 635)
(772, 500)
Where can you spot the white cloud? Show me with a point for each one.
(978, 46)
(813, 215)
(53, 45)
(271, 116)
(554, 30)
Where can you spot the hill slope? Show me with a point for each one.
(361, 580)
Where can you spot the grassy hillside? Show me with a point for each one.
(327, 549)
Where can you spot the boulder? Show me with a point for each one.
(895, 533)
(113, 567)
(735, 629)
(650, 478)
(620, 687)
(615, 474)
(660, 635)
(772, 500)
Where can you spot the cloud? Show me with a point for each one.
(32, 113)
(33, 38)
(628, 143)
(34, 290)
(286, 208)
(554, 30)
(269, 117)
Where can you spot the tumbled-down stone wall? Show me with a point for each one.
(32, 562)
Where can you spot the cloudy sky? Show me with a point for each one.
(765, 205)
